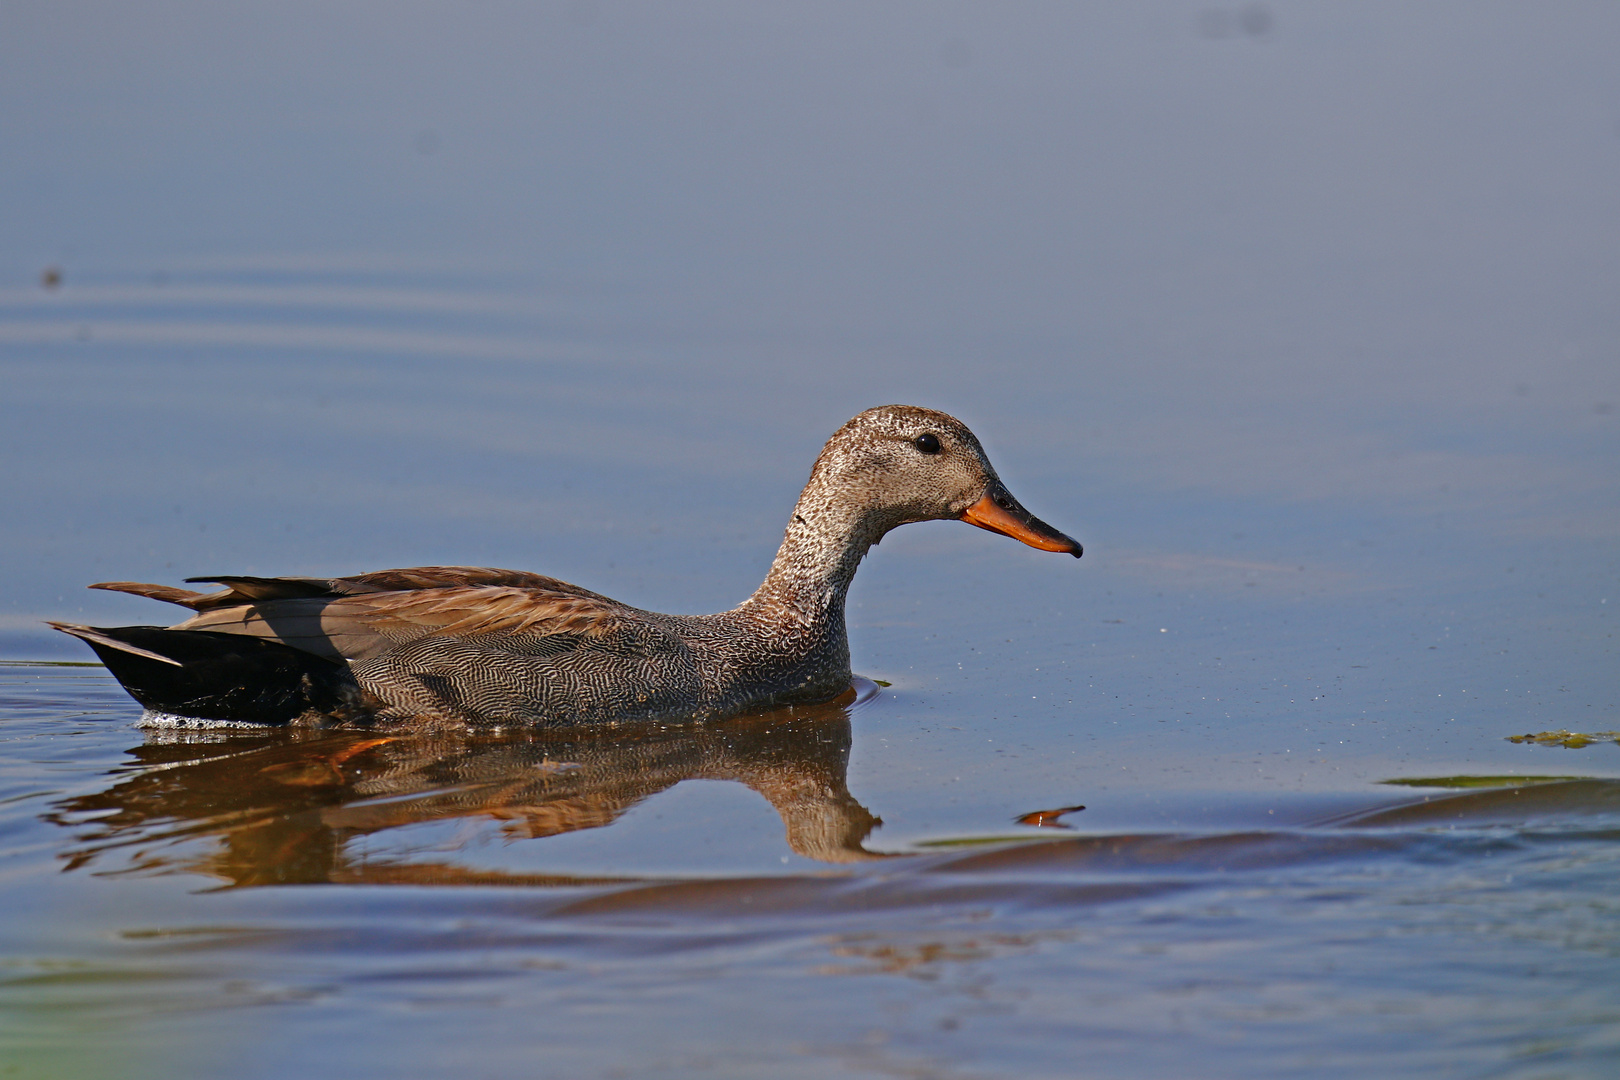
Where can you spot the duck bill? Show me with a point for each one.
(999, 512)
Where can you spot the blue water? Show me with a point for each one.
(1301, 318)
(266, 904)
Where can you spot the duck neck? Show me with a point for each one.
(810, 576)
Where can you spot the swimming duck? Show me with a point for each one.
(479, 645)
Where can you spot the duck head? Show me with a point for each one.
(897, 464)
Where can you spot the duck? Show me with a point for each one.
(483, 646)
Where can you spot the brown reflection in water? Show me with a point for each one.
(282, 804)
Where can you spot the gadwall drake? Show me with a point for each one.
(478, 645)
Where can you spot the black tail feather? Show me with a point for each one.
(213, 676)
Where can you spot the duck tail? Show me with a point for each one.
(167, 593)
(206, 675)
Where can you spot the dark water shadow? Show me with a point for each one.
(1083, 871)
(281, 806)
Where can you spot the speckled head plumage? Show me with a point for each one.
(899, 463)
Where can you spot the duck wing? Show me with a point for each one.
(366, 616)
(247, 589)
(434, 577)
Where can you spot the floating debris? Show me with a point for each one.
(1048, 819)
(980, 841)
(1571, 740)
(1478, 781)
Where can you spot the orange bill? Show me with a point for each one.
(999, 512)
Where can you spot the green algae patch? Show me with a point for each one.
(981, 841)
(1479, 781)
(1571, 740)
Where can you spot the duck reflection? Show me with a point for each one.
(283, 805)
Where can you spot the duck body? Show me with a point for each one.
(481, 645)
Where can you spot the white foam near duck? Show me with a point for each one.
(503, 646)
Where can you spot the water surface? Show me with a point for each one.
(1300, 317)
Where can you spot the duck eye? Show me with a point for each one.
(927, 442)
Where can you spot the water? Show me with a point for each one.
(1300, 318)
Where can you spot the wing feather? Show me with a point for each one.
(248, 589)
(365, 625)
(438, 577)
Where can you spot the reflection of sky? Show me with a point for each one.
(1353, 193)
(1069, 173)
(583, 287)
